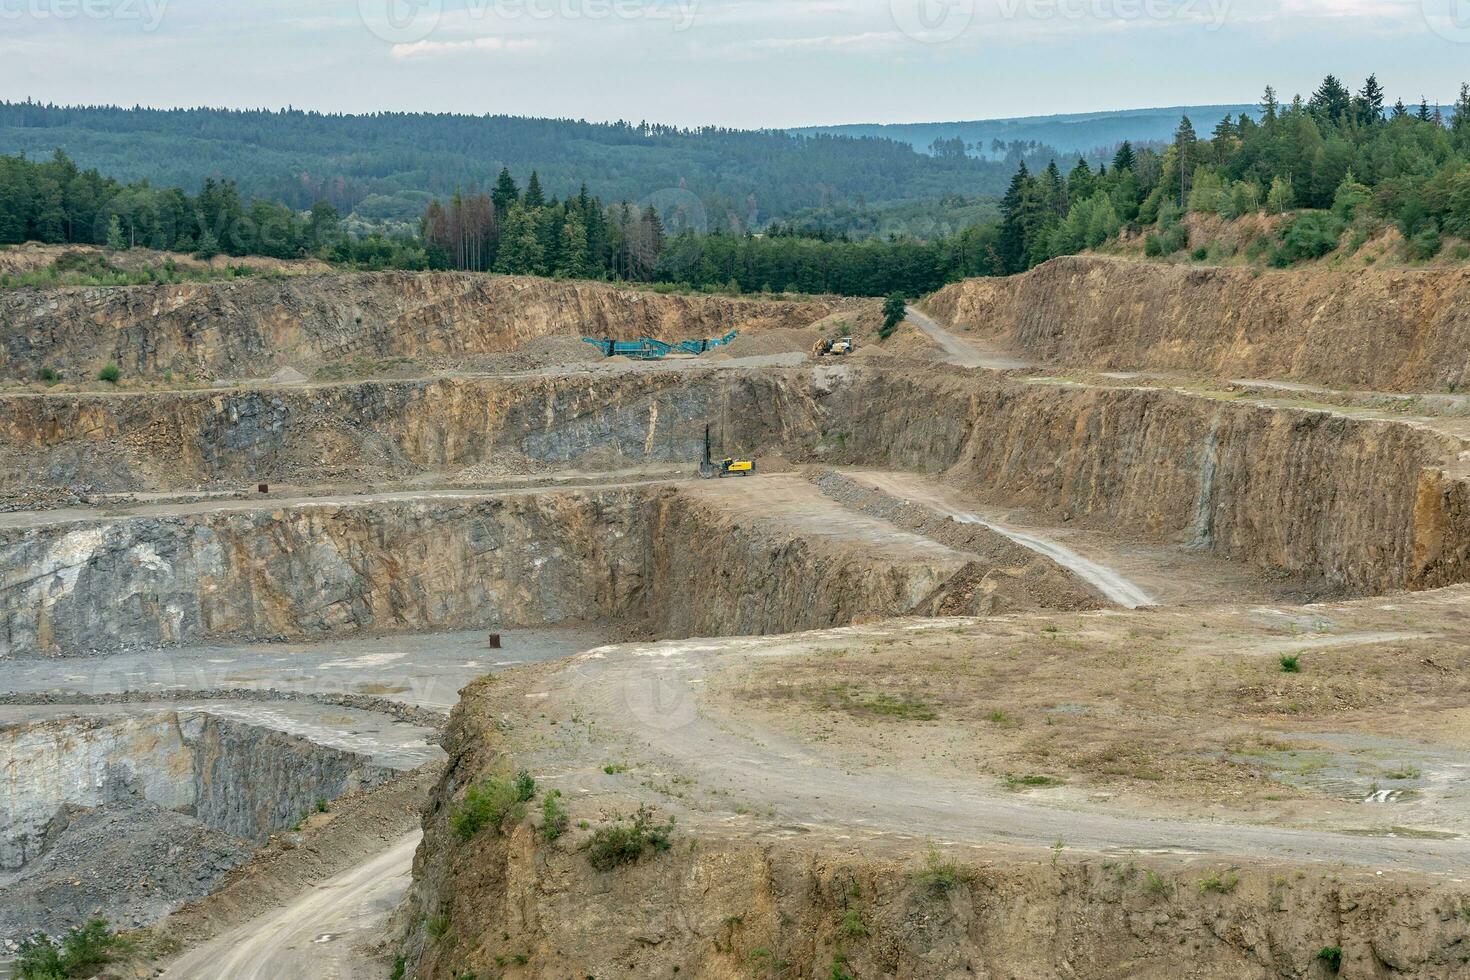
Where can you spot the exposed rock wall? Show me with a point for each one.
(370, 430)
(644, 555)
(1361, 505)
(244, 780)
(1384, 329)
(251, 327)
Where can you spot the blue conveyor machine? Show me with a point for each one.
(649, 349)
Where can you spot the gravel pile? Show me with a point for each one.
(129, 864)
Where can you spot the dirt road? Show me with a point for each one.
(317, 937)
(652, 698)
(965, 353)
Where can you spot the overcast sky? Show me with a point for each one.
(731, 62)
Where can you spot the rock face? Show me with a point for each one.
(252, 327)
(1354, 504)
(240, 779)
(663, 561)
(1383, 329)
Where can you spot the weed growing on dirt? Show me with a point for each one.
(839, 969)
(79, 953)
(554, 819)
(613, 768)
(1331, 957)
(625, 840)
(1219, 884)
(400, 969)
(109, 374)
(1016, 783)
(489, 802)
(1291, 664)
(321, 804)
(437, 925)
(852, 926)
(938, 875)
(1153, 883)
(1056, 851)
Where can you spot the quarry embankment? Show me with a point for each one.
(255, 326)
(1401, 330)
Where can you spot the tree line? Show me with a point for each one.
(1334, 161)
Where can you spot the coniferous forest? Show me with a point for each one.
(1338, 167)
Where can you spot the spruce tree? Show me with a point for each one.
(1185, 157)
(1369, 103)
(1011, 245)
(506, 193)
(534, 198)
(1123, 159)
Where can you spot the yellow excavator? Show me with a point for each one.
(709, 469)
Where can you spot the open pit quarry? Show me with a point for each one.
(1106, 621)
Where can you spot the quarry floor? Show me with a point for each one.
(1157, 723)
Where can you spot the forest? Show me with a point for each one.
(386, 167)
(1338, 168)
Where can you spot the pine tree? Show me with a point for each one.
(1331, 102)
(1080, 182)
(1011, 246)
(1460, 125)
(1423, 109)
(1368, 106)
(506, 193)
(115, 239)
(1399, 109)
(1123, 159)
(1270, 107)
(534, 198)
(1185, 157)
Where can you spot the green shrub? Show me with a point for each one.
(852, 926)
(400, 969)
(110, 374)
(1200, 254)
(79, 953)
(839, 969)
(1311, 235)
(49, 376)
(894, 310)
(437, 925)
(624, 841)
(488, 803)
(1219, 884)
(554, 819)
(1331, 957)
(1154, 883)
(938, 875)
(1291, 664)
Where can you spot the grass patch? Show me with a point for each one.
(489, 802)
(79, 953)
(1031, 781)
(554, 818)
(1219, 884)
(109, 374)
(852, 926)
(855, 701)
(1291, 664)
(437, 925)
(1331, 957)
(626, 840)
(1153, 883)
(937, 875)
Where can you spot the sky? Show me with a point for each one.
(741, 63)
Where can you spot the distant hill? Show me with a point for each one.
(387, 166)
(1068, 134)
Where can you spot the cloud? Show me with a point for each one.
(437, 49)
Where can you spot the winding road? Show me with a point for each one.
(317, 937)
(651, 696)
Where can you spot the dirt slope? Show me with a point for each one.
(250, 328)
(1387, 329)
